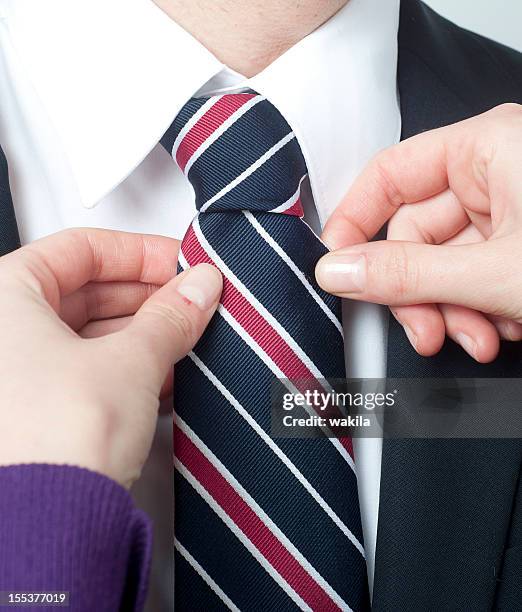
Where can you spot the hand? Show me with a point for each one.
(79, 377)
(452, 261)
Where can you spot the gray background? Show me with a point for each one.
(497, 19)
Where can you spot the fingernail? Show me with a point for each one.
(338, 273)
(201, 285)
(467, 343)
(411, 336)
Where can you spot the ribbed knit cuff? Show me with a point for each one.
(65, 528)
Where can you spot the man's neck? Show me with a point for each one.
(248, 35)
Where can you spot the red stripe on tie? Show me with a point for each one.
(216, 115)
(256, 326)
(296, 209)
(268, 545)
(347, 444)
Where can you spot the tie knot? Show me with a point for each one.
(239, 153)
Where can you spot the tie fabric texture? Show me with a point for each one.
(9, 238)
(261, 524)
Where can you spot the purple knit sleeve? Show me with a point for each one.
(68, 529)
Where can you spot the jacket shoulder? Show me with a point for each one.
(481, 72)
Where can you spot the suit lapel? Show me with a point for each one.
(445, 505)
(9, 238)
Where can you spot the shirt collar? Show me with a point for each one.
(113, 75)
(337, 89)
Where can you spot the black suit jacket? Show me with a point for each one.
(450, 518)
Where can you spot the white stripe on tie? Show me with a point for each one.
(250, 170)
(207, 247)
(247, 543)
(199, 569)
(220, 131)
(291, 200)
(192, 122)
(254, 506)
(277, 451)
(289, 262)
(281, 332)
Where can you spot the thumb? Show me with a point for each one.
(171, 321)
(403, 273)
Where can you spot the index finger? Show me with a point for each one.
(413, 170)
(64, 262)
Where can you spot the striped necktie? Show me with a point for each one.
(261, 523)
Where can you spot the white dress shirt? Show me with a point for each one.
(88, 87)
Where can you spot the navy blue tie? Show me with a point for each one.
(262, 524)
